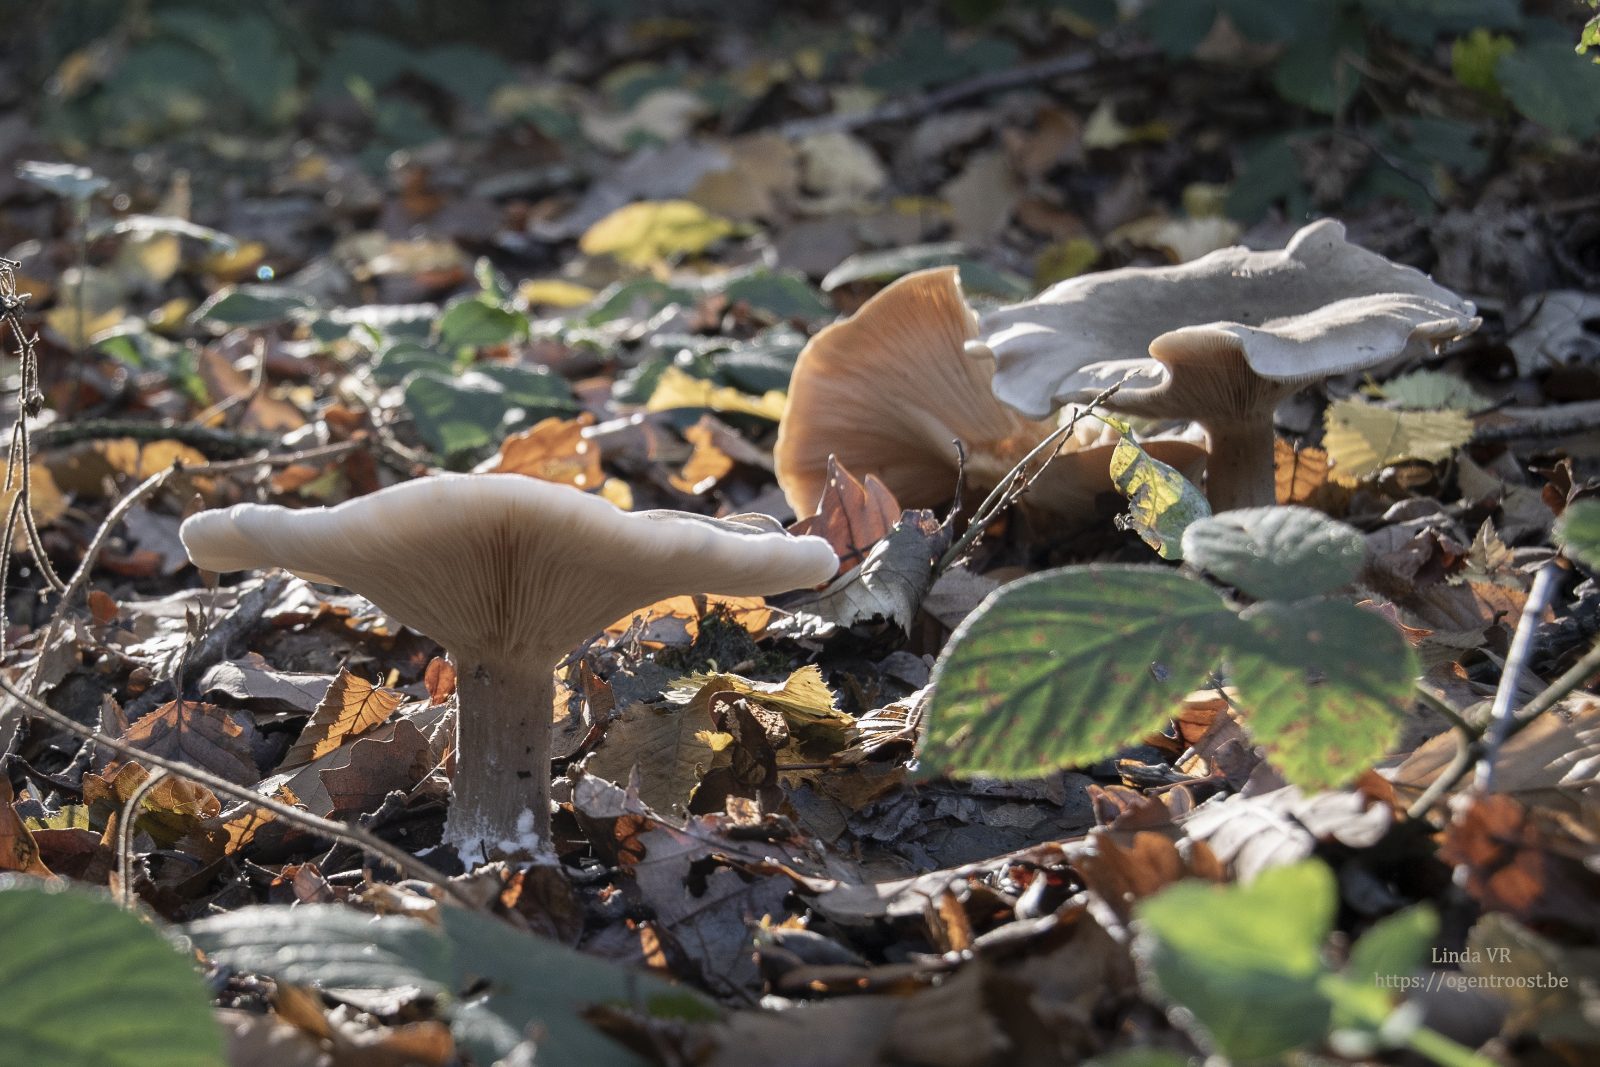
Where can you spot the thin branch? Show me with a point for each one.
(355, 836)
(1016, 483)
(1503, 715)
(130, 815)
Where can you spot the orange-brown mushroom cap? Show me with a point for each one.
(889, 390)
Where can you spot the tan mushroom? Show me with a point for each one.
(508, 573)
(1220, 340)
(890, 390)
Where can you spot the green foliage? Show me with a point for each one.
(89, 985)
(1065, 667)
(458, 414)
(496, 982)
(1578, 532)
(1248, 962)
(1276, 553)
(252, 305)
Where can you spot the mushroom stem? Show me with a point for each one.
(503, 734)
(1240, 471)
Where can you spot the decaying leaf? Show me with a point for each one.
(1362, 439)
(351, 707)
(554, 450)
(202, 735)
(671, 746)
(1161, 502)
(18, 850)
(706, 465)
(679, 389)
(851, 515)
(803, 698)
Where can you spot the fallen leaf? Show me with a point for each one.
(552, 450)
(670, 748)
(851, 516)
(201, 735)
(351, 707)
(677, 388)
(377, 768)
(654, 231)
(18, 850)
(803, 697)
(1362, 439)
(706, 465)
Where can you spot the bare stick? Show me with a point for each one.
(1503, 714)
(130, 815)
(1014, 484)
(355, 836)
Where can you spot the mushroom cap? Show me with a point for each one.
(501, 565)
(1224, 335)
(888, 390)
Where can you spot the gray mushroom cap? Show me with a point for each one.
(503, 564)
(1231, 331)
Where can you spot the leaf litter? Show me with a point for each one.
(599, 275)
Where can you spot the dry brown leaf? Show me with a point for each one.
(669, 745)
(1302, 476)
(241, 828)
(552, 450)
(18, 850)
(680, 617)
(852, 516)
(84, 468)
(1516, 860)
(201, 735)
(440, 678)
(377, 768)
(353, 706)
(707, 464)
(46, 500)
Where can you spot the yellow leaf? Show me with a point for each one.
(680, 389)
(1161, 502)
(707, 464)
(554, 293)
(803, 698)
(651, 231)
(48, 504)
(618, 492)
(235, 265)
(1362, 439)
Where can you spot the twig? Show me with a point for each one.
(207, 439)
(914, 107)
(1572, 679)
(1559, 420)
(1015, 483)
(130, 815)
(329, 828)
(80, 578)
(1502, 716)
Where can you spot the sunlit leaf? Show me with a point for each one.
(654, 230)
(351, 707)
(677, 389)
(1064, 667)
(1578, 532)
(1362, 439)
(1161, 502)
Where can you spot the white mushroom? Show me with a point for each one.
(890, 390)
(508, 573)
(1220, 340)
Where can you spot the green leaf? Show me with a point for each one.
(1324, 687)
(252, 305)
(1473, 59)
(89, 985)
(1430, 390)
(1268, 172)
(1161, 502)
(1395, 945)
(1064, 667)
(1245, 959)
(474, 323)
(456, 414)
(976, 275)
(1553, 86)
(1578, 532)
(1321, 68)
(536, 391)
(516, 981)
(784, 294)
(161, 225)
(1280, 553)
(400, 358)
